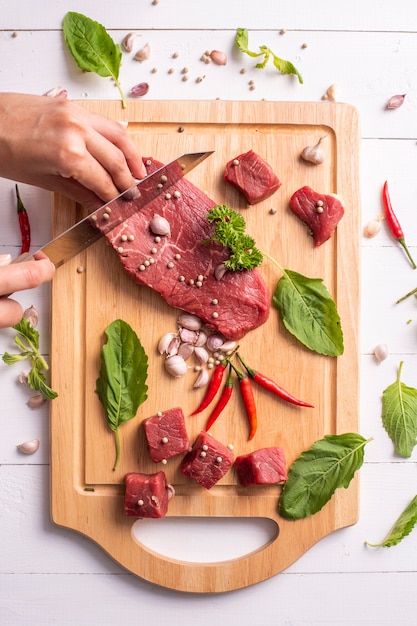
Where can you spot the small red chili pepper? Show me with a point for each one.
(249, 401)
(271, 385)
(23, 223)
(223, 400)
(213, 387)
(393, 222)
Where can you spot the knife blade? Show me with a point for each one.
(109, 215)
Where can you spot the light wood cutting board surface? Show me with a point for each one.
(91, 290)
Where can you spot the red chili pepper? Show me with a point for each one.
(213, 387)
(271, 385)
(393, 222)
(223, 400)
(249, 401)
(23, 223)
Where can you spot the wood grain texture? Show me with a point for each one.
(82, 446)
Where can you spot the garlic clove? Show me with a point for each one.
(201, 339)
(189, 321)
(396, 101)
(139, 90)
(314, 154)
(29, 447)
(188, 336)
(218, 57)
(214, 342)
(143, 54)
(165, 341)
(373, 227)
(36, 401)
(331, 93)
(219, 271)
(176, 366)
(202, 379)
(381, 352)
(228, 346)
(127, 43)
(185, 351)
(32, 316)
(159, 225)
(201, 354)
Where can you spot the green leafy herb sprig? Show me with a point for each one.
(314, 476)
(402, 527)
(27, 339)
(399, 415)
(285, 67)
(305, 305)
(92, 48)
(121, 386)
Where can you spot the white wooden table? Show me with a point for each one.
(52, 576)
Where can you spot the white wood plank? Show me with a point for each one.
(378, 66)
(264, 14)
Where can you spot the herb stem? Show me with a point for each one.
(117, 444)
(119, 87)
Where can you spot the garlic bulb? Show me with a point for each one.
(314, 154)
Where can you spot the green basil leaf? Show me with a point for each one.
(316, 474)
(309, 313)
(286, 67)
(242, 42)
(402, 527)
(92, 47)
(121, 386)
(399, 415)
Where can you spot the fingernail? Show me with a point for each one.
(5, 259)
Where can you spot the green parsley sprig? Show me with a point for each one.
(27, 339)
(230, 232)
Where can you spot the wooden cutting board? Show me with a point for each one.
(92, 290)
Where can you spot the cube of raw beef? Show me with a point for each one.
(166, 435)
(265, 466)
(253, 176)
(208, 461)
(147, 495)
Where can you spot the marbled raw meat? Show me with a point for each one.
(208, 461)
(146, 495)
(166, 434)
(321, 218)
(173, 265)
(265, 466)
(253, 176)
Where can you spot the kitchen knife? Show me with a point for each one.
(104, 219)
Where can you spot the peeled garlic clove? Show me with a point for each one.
(159, 225)
(381, 352)
(176, 366)
(373, 227)
(218, 57)
(29, 447)
(202, 379)
(192, 322)
(395, 101)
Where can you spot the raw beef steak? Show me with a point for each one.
(320, 212)
(166, 435)
(147, 495)
(253, 176)
(208, 461)
(265, 466)
(181, 268)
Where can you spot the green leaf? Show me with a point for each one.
(92, 47)
(313, 478)
(309, 313)
(399, 415)
(121, 386)
(402, 527)
(37, 381)
(284, 67)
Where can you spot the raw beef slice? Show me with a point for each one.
(180, 267)
(265, 466)
(208, 461)
(253, 176)
(320, 212)
(147, 495)
(166, 435)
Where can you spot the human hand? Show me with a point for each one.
(16, 277)
(58, 145)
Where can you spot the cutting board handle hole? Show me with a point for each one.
(205, 540)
